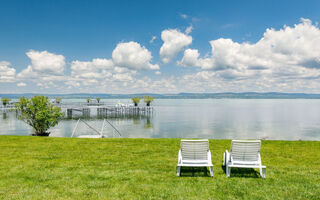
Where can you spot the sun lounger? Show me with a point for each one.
(244, 154)
(194, 153)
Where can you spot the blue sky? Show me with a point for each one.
(198, 46)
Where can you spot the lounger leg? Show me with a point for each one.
(211, 171)
(224, 159)
(178, 170)
(228, 171)
(263, 172)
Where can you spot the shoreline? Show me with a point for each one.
(162, 138)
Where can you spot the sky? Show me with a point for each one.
(125, 47)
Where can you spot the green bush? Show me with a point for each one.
(98, 99)
(5, 101)
(135, 100)
(39, 113)
(58, 100)
(88, 100)
(148, 100)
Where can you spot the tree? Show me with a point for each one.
(5, 101)
(88, 100)
(39, 113)
(135, 100)
(98, 99)
(148, 100)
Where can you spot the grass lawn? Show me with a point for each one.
(72, 168)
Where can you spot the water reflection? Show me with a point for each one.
(290, 119)
(4, 116)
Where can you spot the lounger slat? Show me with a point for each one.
(194, 149)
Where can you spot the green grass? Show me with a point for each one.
(72, 168)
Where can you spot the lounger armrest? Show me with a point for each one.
(227, 156)
(209, 157)
(259, 159)
(179, 157)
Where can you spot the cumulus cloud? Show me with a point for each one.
(7, 74)
(45, 68)
(173, 42)
(27, 73)
(133, 56)
(46, 62)
(284, 60)
(97, 68)
(190, 58)
(290, 51)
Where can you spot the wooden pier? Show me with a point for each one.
(96, 110)
(110, 111)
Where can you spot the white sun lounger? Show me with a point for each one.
(194, 153)
(244, 154)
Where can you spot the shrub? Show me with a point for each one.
(136, 101)
(5, 101)
(148, 100)
(98, 99)
(39, 113)
(58, 100)
(88, 100)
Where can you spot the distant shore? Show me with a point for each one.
(225, 95)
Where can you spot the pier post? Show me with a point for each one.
(86, 112)
(69, 112)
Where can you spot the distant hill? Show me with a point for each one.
(228, 95)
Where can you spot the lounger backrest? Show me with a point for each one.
(245, 150)
(194, 149)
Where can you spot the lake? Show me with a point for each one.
(274, 119)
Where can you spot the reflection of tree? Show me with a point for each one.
(136, 120)
(4, 115)
(148, 124)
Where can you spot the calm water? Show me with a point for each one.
(289, 119)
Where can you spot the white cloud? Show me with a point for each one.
(133, 56)
(45, 62)
(7, 74)
(189, 29)
(97, 68)
(73, 83)
(291, 52)
(285, 60)
(21, 84)
(27, 73)
(183, 16)
(190, 58)
(173, 42)
(122, 77)
(45, 69)
(153, 39)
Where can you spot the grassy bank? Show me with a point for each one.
(71, 168)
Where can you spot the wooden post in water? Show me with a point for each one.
(86, 112)
(69, 112)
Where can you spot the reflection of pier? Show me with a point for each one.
(96, 134)
(7, 108)
(110, 111)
